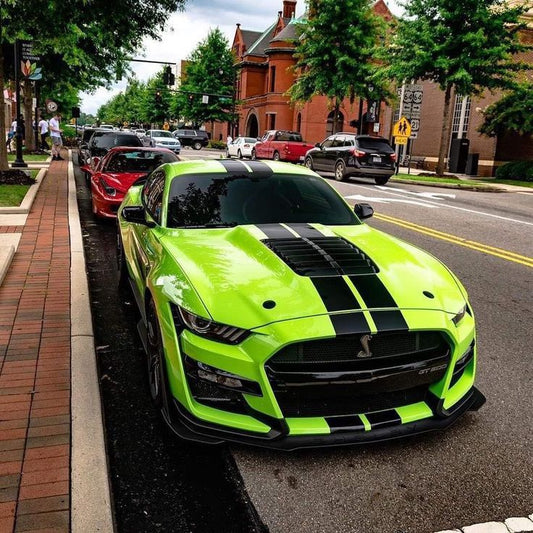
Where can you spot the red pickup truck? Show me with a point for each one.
(281, 145)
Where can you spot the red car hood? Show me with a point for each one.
(121, 181)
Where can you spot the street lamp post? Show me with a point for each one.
(360, 121)
(19, 161)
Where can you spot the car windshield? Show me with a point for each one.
(139, 161)
(161, 133)
(250, 140)
(211, 200)
(378, 145)
(108, 141)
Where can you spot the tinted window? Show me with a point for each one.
(288, 136)
(139, 161)
(378, 145)
(161, 133)
(212, 199)
(250, 140)
(153, 194)
(328, 143)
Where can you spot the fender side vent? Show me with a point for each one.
(322, 256)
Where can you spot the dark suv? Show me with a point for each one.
(195, 138)
(103, 140)
(347, 154)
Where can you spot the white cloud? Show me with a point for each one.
(185, 30)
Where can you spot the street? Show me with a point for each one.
(479, 470)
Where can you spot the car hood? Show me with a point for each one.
(172, 140)
(122, 181)
(234, 273)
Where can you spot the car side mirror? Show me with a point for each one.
(136, 215)
(363, 211)
(94, 161)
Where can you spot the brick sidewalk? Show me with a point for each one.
(35, 367)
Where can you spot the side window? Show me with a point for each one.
(328, 143)
(338, 142)
(153, 194)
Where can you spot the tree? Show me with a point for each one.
(513, 113)
(78, 41)
(465, 47)
(335, 53)
(210, 71)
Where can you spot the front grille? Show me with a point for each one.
(322, 256)
(328, 377)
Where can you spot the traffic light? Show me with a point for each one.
(168, 77)
(158, 99)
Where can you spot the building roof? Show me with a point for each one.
(288, 33)
(261, 44)
(249, 37)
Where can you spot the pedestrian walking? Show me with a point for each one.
(43, 130)
(229, 140)
(55, 135)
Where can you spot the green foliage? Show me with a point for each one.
(219, 145)
(210, 71)
(335, 52)
(513, 112)
(516, 170)
(468, 45)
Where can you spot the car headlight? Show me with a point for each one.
(460, 315)
(110, 191)
(208, 328)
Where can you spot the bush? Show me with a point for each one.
(516, 170)
(219, 145)
(69, 135)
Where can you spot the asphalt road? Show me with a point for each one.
(482, 468)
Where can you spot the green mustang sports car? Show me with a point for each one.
(272, 315)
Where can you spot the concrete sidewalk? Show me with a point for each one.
(39, 473)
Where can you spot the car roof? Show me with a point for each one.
(139, 149)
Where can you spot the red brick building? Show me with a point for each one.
(265, 75)
(265, 62)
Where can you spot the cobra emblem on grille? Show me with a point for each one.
(365, 343)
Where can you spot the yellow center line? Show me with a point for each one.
(473, 245)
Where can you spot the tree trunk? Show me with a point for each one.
(3, 134)
(445, 132)
(335, 116)
(28, 108)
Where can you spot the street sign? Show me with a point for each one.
(401, 140)
(26, 51)
(402, 128)
(414, 135)
(51, 106)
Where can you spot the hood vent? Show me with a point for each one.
(322, 257)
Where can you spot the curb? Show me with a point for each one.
(27, 201)
(89, 482)
(480, 188)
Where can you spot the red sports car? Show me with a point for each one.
(113, 175)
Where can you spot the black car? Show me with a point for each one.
(103, 140)
(83, 144)
(194, 138)
(347, 154)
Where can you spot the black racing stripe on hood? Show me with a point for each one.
(373, 291)
(275, 231)
(345, 423)
(234, 167)
(349, 323)
(259, 167)
(384, 418)
(305, 231)
(335, 293)
(389, 320)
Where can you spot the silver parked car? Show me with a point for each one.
(162, 139)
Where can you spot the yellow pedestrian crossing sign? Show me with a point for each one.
(402, 128)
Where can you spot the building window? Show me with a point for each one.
(271, 121)
(339, 126)
(272, 79)
(457, 115)
(299, 123)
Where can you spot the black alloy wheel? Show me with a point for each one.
(154, 357)
(340, 168)
(309, 163)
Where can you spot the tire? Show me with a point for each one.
(239, 154)
(276, 156)
(123, 281)
(381, 180)
(87, 179)
(154, 357)
(309, 163)
(254, 155)
(340, 169)
(197, 145)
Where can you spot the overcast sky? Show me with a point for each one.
(184, 31)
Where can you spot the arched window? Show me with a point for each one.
(339, 126)
(252, 127)
(299, 123)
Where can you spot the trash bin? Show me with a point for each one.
(472, 162)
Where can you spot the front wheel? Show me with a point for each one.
(340, 169)
(276, 156)
(239, 154)
(197, 145)
(381, 180)
(309, 163)
(254, 155)
(154, 357)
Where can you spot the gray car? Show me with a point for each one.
(162, 139)
(347, 154)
